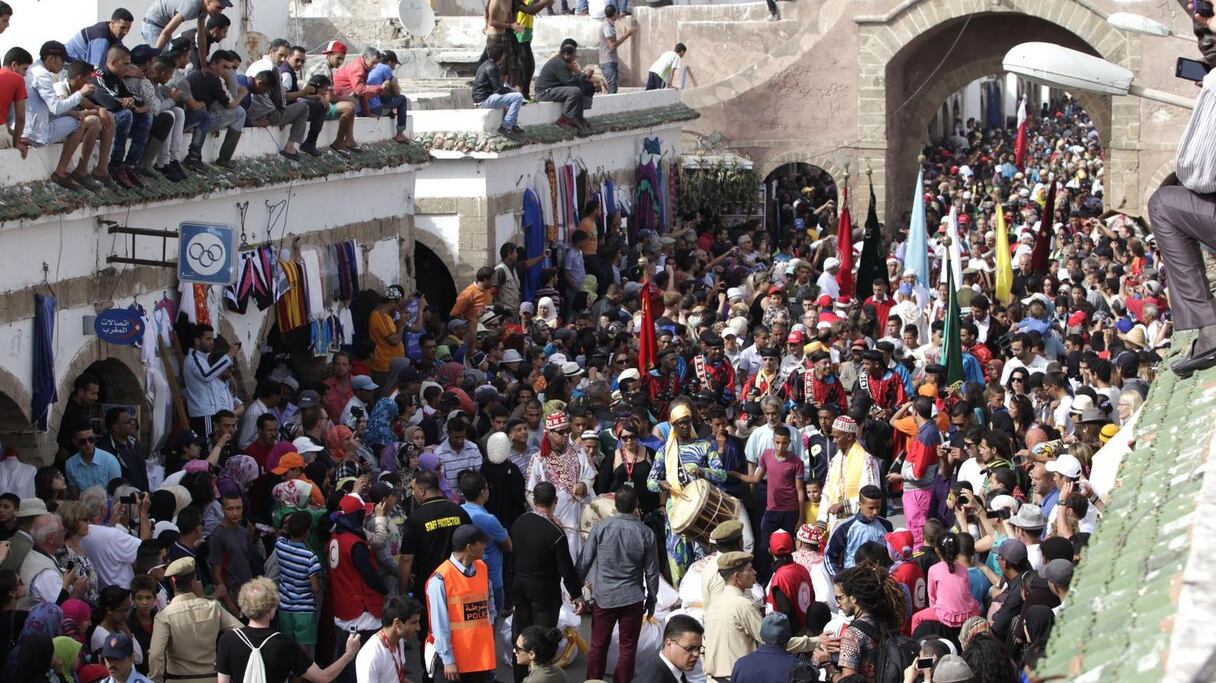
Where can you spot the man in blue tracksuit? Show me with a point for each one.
(91, 43)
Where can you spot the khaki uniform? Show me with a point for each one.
(733, 630)
(183, 639)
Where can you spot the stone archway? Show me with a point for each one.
(15, 430)
(434, 279)
(914, 56)
(788, 180)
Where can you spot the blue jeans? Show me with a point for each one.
(510, 102)
(128, 124)
(611, 75)
(149, 32)
(198, 122)
(770, 522)
(398, 103)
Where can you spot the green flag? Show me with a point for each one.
(952, 344)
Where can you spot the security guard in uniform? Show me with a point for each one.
(186, 630)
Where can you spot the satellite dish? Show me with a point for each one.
(1138, 24)
(417, 17)
(1059, 67)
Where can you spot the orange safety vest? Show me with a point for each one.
(472, 634)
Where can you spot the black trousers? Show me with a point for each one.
(316, 120)
(536, 604)
(527, 66)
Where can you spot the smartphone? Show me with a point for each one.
(997, 514)
(924, 663)
(1191, 69)
(1203, 8)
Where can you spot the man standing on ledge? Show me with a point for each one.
(1181, 217)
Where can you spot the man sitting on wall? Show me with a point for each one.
(489, 92)
(561, 80)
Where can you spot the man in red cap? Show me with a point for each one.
(826, 314)
(335, 53)
(356, 589)
(791, 591)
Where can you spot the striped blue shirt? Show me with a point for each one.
(296, 565)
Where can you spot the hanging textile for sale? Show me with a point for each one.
(202, 308)
(581, 191)
(314, 287)
(43, 376)
(533, 226)
(292, 304)
(256, 281)
(554, 200)
(351, 247)
(672, 192)
(664, 216)
(646, 210)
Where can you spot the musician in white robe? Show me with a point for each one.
(563, 463)
(851, 469)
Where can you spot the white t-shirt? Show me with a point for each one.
(972, 471)
(112, 552)
(99, 640)
(374, 663)
(666, 65)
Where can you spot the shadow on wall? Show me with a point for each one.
(434, 279)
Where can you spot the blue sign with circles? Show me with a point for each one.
(206, 254)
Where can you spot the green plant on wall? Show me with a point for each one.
(718, 188)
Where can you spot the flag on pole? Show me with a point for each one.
(953, 263)
(1019, 145)
(1004, 260)
(844, 244)
(872, 267)
(952, 344)
(916, 255)
(1042, 241)
(648, 347)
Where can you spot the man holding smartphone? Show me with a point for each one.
(1181, 214)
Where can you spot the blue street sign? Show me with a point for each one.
(119, 326)
(206, 254)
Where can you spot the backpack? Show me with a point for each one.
(255, 668)
(896, 652)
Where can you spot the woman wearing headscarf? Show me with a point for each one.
(77, 617)
(67, 659)
(32, 655)
(1036, 629)
(546, 313)
(296, 495)
(343, 446)
(429, 462)
(238, 474)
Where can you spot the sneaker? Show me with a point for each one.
(774, 17)
(196, 164)
(177, 170)
(148, 173)
(567, 122)
(89, 182)
(169, 174)
(106, 180)
(506, 132)
(134, 177)
(311, 149)
(119, 174)
(517, 131)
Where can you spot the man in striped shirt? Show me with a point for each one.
(299, 583)
(1181, 216)
(458, 454)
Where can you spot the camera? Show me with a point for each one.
(128, 499)
(357, 412)
(997, 514)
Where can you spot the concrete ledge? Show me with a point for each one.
(255, 142)
(538, 113)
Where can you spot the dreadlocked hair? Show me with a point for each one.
(989, 660)
(876, 593)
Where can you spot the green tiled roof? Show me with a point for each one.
(41, 198)
(492, 142)
(1116, 624)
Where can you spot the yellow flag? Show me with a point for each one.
(1004, 260)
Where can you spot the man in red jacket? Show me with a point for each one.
(790, 592)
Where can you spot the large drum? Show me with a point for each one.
(699, 508)
(602, 507)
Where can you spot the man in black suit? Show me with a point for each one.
(680, 653)
(542, 564)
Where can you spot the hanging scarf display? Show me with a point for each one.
(256, 281)
(534, 241)
(314, 287)
(646, 209)
(202, 309)
(554, 200)
(292, 303)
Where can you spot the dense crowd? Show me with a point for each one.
(703, 439)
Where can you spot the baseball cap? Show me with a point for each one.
(304, 445)
(308, 399)
(781, 543)
(1066, 465)
(1058, 572)
(289, 461)
(775, 629)
(177, 46)
(351, 504)
(1013, 551)
(332, 46)
(363, 383)
(118, 646)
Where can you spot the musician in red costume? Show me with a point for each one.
(817, 383)
(710, 371)
(883, 386)
(768, 380)
(969, 335)
(662, 383)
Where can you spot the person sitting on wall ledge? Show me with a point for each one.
(351, 82)
(391, 99)
(52, 118)
(226, 113)
(489, 92)
(132, 120)
(321, 89)
(561, 80)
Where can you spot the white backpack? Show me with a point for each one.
(255, 668)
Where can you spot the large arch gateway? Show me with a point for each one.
(855, 83)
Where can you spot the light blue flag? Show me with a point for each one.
(916, 256)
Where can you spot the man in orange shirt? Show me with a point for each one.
(474, 298)
(386, 332)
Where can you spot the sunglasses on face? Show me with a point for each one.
(562, 432)
(85, 440)
(629, 437)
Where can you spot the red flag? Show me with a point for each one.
(844, 243)
(648, 348)
(1019, 145)
(1042, 242)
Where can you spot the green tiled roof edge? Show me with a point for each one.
(42, 198)
(493, 142)
(1116, 624)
